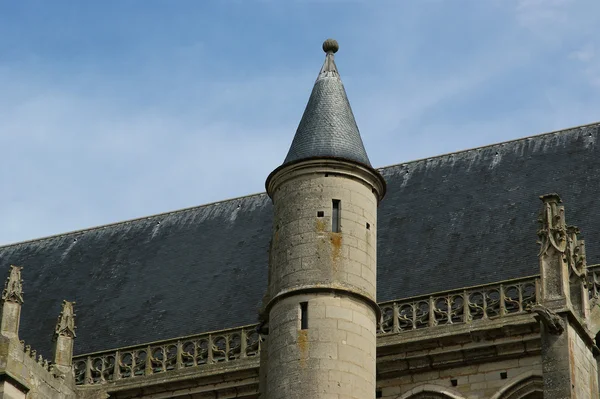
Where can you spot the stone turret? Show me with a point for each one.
(321, 310)
(12, 300)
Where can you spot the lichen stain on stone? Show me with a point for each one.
(336, 249)
(303, 346)
(336, 242)
(320, 225)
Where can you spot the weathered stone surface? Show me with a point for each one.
(568, 363)
(326, 259)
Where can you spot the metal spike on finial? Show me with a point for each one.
(331, 46)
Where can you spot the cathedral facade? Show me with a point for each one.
(453, 277)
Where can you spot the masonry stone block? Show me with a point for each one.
(333, 272)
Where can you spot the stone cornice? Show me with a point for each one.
(331, 166)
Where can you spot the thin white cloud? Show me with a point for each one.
(584, 54)
(589, 62)
(192, 125)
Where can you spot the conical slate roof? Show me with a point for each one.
(327, 128)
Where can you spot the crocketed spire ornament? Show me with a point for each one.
(553, 231)
(66, 321)
(13, 288)
(575, 252)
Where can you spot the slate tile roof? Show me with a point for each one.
(446, 222)
(328, 127)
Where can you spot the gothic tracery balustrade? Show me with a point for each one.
(143, 360)
(459, 306)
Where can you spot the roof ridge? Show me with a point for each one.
(123, 222)
(488, 145)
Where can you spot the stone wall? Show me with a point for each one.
(584, 368)
(335, 355)
(24, 375)
(322, 281)
(306, 251)
(10, 391)
(479, 381)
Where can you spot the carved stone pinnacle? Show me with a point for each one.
(65, 326)
(13, 288)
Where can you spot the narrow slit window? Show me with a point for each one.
(304, 315)
(335, 216)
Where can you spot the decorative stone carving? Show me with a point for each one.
(575, 253)
(56, 371)
(160, 357)
(66, 321)
(458, 306)
(551, 320)
(552, 232)
(13, 289)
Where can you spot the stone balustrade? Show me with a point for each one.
(175, 354)
(459, 306)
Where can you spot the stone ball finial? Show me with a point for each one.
(331, 45)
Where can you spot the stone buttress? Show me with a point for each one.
(320, 311)
(568, 348)
(24, 373)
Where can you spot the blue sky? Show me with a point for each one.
(116, 109)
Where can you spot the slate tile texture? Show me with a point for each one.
(328, 128)
(446, 222)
